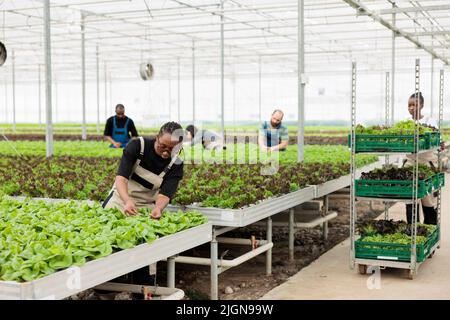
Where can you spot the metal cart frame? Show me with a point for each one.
(411, 267)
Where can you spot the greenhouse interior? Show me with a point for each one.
(224, 149)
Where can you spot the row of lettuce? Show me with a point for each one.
(38, 238)
(223, 184)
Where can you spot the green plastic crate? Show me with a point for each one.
(435, 139)
(438, 181)
(398, 189)
(394, 143)
(393, 251)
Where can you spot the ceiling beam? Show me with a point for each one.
(362, 9)
(430, 33)
(413, 9)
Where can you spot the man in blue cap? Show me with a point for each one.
(118, 128)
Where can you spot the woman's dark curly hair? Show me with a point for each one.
(171, 128)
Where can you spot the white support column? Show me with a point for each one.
(259, 91)
(301, 82)
(432, 78)
(325, 213)
(171, 272)
(269, 252)
(6, 99)
(83, 75)
(105, 80)
(178, 89)
(14, 89)
(441, 113)
(40, 94)
(110, 91)
(48, 80)
(387, 123)
(193, 83)
(214, 252)
(56, 101)
(432, 88)
(98, 90)
(291, 244)
(233, 83)
(222, 70)
(353, 212)
(170, 98)
(393, 69)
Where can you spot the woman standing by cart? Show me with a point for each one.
(430, 158)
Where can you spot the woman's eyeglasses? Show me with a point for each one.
(163, 147)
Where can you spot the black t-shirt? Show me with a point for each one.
(152, 162)
(120, 123)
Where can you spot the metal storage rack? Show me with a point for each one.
(413, 265)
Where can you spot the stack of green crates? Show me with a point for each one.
(396, 189)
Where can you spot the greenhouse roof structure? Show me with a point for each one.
(124, 33)
(94, 40)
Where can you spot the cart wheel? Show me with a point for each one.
(410, 274)
(362, 269)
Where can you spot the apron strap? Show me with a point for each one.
(114, 122)
(169, 166)
(141, 155)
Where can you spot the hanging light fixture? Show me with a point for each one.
(3, 54)
(146, 70)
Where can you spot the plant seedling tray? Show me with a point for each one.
(394, 143)
(399, 189)
(394, 251)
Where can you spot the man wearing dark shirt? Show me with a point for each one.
(118, 128)
(149, 172)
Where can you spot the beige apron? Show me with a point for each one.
(425, 158)
(142, 197)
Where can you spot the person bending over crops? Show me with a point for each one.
(273, 136)
(209, 139)
(415, 106)
(149, 172)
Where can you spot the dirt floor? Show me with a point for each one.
(249, 280)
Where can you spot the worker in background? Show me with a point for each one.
(209, 139)
(430, 158)
(273, 136)
(118, 128)
(149, 172)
